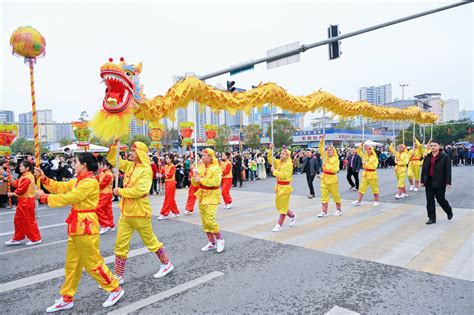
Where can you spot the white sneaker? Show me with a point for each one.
(187, 212)
(397, 196)
(322, 214)
(415, 189)
(112, 228)
(103, 230)
(113, 298)
(411, 188)
(208, 247)
(229, 206)
(60, 305)
(404, 195)
(338, 213)
(177, 215)
(164, 270)
(293, 220)
(376, 203)
(356, 203)
(162, 217)
(31, 243)
(13, 242)
(277, 228)
(220, 245)
(171, 215)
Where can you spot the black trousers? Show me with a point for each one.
(153, 186)
(310, 179)
(351, 173)
(439, 194)
(237, 177)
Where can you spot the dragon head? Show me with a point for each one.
(122, 83)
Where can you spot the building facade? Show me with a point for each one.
(376, 94)
(7, 117)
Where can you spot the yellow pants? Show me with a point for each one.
(83, 252)
(414, 172)
(401, 175)
(208, 217)
(332, 189)
(126, 227)
(282, 203)
(373, 183)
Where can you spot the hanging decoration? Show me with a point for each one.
(83, 133)
(156, 132)
(186, 129)
(211, 133)
(7, 135)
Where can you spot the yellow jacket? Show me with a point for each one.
(330, 165)
(416, 155)
(369, 163)
(137, 182)
(82, 193)
(208, 192)
(283, 172)
(401, 159)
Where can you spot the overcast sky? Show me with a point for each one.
(431, 54)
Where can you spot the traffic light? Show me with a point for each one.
(334, 47)
(230, 86)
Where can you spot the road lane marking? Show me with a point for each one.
(41, 228)
(337, 310)
(24, 282)
(166, 294)
(32, 247)
(40, 216)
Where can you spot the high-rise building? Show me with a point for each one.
(450, 110)
(138, 127)
(46, 128)
(63, 132)
(7, 117)
(376, 94)
(432, 102)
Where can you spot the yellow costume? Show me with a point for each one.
(370, 162)
(414, 166)
(135, 207)
(401, 162)
(329, 183)
(284, 174)
(208, 193)
(83, 229)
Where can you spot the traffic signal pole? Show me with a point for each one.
(304, 48)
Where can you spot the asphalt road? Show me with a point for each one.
(255, 276)
(459, 196)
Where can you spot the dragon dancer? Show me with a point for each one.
(106, 182)
(329, 183)
(208, 197)
(191, 201)
(82, 252)
(25, 218)
(414, 166)
(370, 162)
(282, 169)
(169, 203)
(136, 210)
(401, 162)
(226, 166)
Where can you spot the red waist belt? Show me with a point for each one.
(283, 183)
(328, 173)
(415, 159)
(207, 187)
(368, 170)
(72, 218)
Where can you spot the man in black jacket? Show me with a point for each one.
(436, 177)
(311, 168)
(354, 164)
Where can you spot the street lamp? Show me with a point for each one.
(403, 98)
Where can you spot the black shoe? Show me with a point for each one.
(430, 222)
(310, 196)
(450, 216)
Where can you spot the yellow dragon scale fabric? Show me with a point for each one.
(193, 89)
